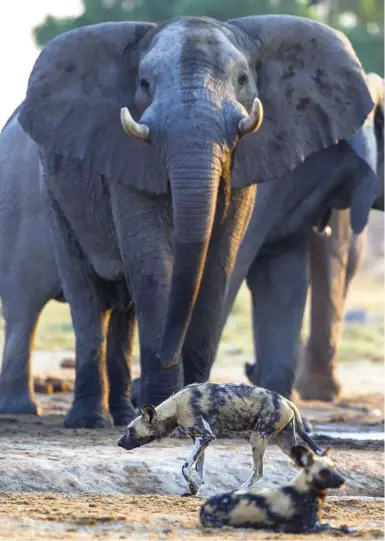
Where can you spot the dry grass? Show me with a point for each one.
(359, 340)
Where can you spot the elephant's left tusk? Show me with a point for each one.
(131, 127)
(253, 122)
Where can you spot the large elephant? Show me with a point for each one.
(29, 279)
(157, 216)
(334, 261)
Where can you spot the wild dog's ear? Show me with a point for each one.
(148, 413)
(302, 456)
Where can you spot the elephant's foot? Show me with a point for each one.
(317, 386)
(87, 414)
(277, 382)
(123, 414)
(18, 403)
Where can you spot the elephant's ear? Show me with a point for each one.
(313, 91)
(75, 92)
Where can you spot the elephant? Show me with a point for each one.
(152, 209)
(20, 182)
(29, 279)
(333, 262)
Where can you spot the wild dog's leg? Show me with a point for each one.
(197, 452)
(287, 438)
(271, 419)
(199, 467)
(202, 436)
(258, 442)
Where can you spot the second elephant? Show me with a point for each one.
(333, 262)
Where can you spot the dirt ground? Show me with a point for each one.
(57, 483)
(78, 484)
(98, 516)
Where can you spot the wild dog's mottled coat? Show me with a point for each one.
(207, 408)
(294, 508)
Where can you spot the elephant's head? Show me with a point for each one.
(188, 92)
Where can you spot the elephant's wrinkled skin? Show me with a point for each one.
(166, 215)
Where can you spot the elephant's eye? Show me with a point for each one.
(144, 84)
(243, 79)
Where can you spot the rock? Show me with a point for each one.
(67, 363)
(60, 385)
(41, 386)
(52, 385)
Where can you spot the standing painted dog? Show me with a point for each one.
(208, 408)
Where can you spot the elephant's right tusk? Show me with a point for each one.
(131, 127)
(253, 122)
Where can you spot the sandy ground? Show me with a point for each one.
(97, 516)
(57, 483)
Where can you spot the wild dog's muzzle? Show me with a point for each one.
(130, 441)
(337, 481)
(124, 443)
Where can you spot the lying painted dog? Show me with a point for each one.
(207, 408)
(295, 508)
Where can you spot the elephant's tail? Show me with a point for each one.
(301, 430)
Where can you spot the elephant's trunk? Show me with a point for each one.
(194, 179)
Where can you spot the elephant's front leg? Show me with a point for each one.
(144, 228)
(82, 289)
(278, 283)
(120, 342)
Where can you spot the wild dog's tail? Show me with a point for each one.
(301, 430)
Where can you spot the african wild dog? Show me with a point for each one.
(294, 508)
(207, 408)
